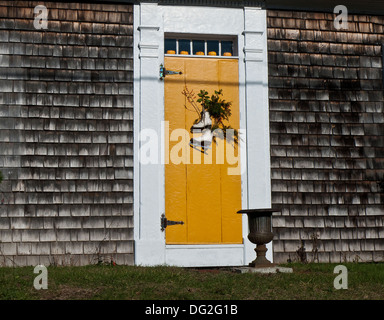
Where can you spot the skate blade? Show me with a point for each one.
(199, 148)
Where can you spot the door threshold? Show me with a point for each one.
(204, 246)
(204, 255)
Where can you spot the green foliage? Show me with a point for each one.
(218, 108)
(311, 281)
(220, 111)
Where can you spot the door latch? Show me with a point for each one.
(165, 222)
(164, 72)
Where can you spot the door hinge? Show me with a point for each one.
(164, 222)
(164, 72)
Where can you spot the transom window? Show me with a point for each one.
(195, 46)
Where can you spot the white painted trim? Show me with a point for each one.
(149, 112)
(249, 25)
(204, 255)
(156, 28)
(136, 130)
(257, 113)
(252, 31)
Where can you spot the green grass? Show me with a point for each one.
(307, 282)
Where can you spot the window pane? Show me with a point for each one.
(213, 47)
(184, 46)
(198, 46)
(170, 46)
(226, 46)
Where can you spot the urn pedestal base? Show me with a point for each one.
(261, 260)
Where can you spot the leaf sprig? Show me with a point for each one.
(218, 108)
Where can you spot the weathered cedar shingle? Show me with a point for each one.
(66, 113)
(327, 138)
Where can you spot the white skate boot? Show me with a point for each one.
(204, 123)
(204, 141)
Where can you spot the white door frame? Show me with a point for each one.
(151, 21)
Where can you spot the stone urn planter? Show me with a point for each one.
(260, 233)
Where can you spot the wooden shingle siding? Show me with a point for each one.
(327, 136)
(66, 134)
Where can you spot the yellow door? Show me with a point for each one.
(198, 191)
